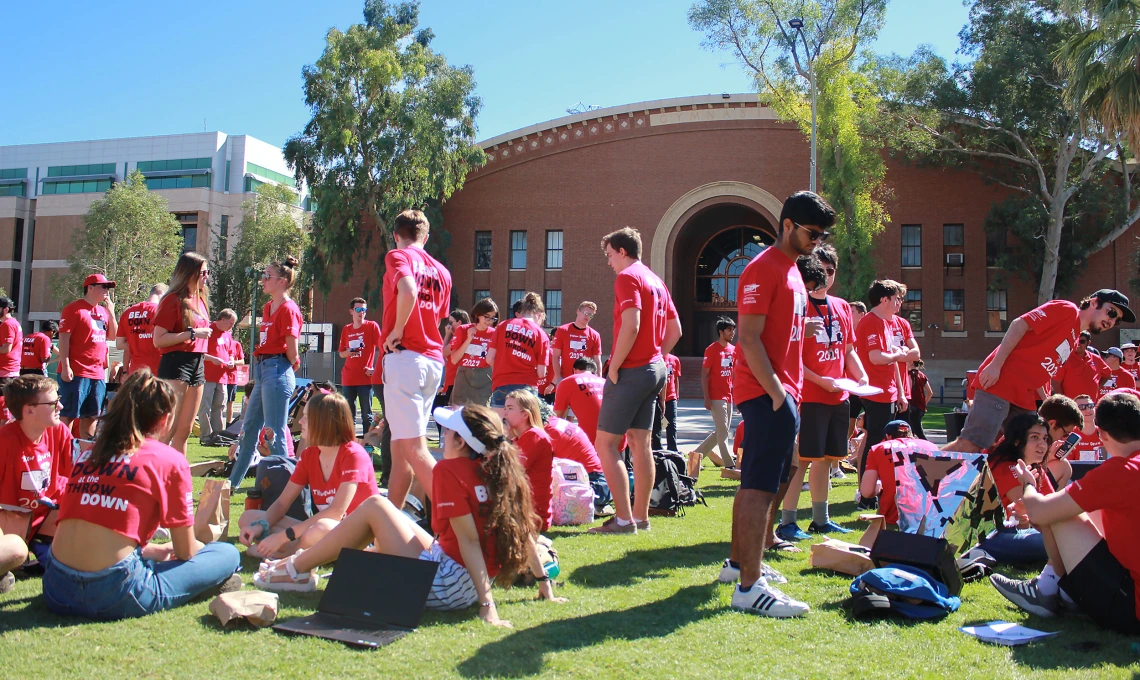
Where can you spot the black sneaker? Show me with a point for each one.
(868, 504)
(1027, 595)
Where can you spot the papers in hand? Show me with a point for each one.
(849, 385)
(1005, 633)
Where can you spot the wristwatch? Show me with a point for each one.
(289, 534)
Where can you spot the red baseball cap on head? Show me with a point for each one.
(97, 278)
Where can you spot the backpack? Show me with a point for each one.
(902, 589)
(573, 498)
(673, 490)
(273, 473)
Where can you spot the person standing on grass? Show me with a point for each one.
(646, 327)
(1035, 347)
(38, 349)
(581, 394)
(716, 388)
(575, 340)
(135, 337)
(359, 341)
(1084, 372)
(667, 406)
(520, 352)
(469, 350)
(920, 395)
(11, 341)
(218, 363)
(767, 379)
(417, 295)
(1120, 376)
(83, 329)
(230, 375)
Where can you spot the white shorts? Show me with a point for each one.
(410, 384)
(452, 587)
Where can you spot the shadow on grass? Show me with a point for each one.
(521, 653)
(641, 564)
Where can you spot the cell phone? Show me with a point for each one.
(1070, 442)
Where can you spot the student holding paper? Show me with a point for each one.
(469, 348)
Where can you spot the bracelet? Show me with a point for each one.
(541, 579)
(264, 526)
(486, 604)
(290, 534)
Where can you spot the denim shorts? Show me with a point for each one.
(769, 443)
(82, 397)
(499, 396)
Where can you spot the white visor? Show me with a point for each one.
(452, 419)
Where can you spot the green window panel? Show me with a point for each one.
(175, 164)
(90, 169)
(77, 187)
(12, 190)
(14, 173)
(270, 174)
(178, 182)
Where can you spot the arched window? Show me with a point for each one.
(722, 260)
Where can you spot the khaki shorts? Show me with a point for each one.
(410, 383)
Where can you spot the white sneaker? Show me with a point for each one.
(771, 575)
(728, 573)
(806, 487)
(836, 473)
(767, 600)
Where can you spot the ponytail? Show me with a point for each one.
(141, 402)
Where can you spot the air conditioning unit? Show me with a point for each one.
(955, 259)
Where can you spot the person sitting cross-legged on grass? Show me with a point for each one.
(1090, 527)
(481, 513)
(337, 470)
(124, 488)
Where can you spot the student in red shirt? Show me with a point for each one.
(520, 352)
(1097, 558)
(84, 326)
(230, 377)
(457, 318)
(545, 386)
(879, 477)
(469, 347)
(481, 514)
(1130, 365)
(646, 327)
(1090, 446)
(1120, 376)
(182, 335)
(359, 342)
(11, 341)
(716, 388)
(275, 361)
(337, 471)
(417, 296)
(135, 337)
(575, 340)
(1084, 372)
(219, 362)
(129, 484)
(536, 452)
(581, 394)
(667, 406)
(767, 380)
(1033, 350)
(38, 349)
(571, 443)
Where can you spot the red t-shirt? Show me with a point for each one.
(1111, 488)
(1082, 375)
(637, 287)
(881, 459)
(1134, 369)
(877, 333)
(575, 343)
(352, 464)
(87, 349)
(361, 343)
(274, 328)
(30, 471)
(1052, 336)
(582, 394)
(825, 354)
(237, 353)
(673, 366)
(536, 453)
(1005, 480)
(169, 316)
(218, 346)
(917, 394)
(136, 324)
(458, 489)
(476, 354)
(449, 371)
(37, 351)
(771, 286)
(421, 333)
(545, 380)
(718, 360)
(11, 333)
(1088, 448)
(520, 348)
(572, 443)
(1121, 377)
(134, 494)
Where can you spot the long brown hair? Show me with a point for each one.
(138, 406)
(187, 269)
(511, 522)
(329, 420)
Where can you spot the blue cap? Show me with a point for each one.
(896, 429)
(1116, 352)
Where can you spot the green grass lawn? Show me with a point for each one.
(644, 606)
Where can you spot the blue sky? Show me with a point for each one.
(82, 70)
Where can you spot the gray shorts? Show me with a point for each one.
(629, 404)
(987, 418)
(472, 386)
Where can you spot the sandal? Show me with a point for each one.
(283, 576)
(784, 546)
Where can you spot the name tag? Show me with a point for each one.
(475, 350)
(726, 362)
(578, 344)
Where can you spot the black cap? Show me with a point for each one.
(1117, 298)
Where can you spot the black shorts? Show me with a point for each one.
(856, 403)
(1104, 590)
(187, 367)
(32, 371)
(769, 443)
(231, 392)
(823, 431)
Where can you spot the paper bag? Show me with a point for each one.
(203, 469)
(212, 518)
(256, 606)
(852, 559)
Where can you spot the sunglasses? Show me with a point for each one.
(267, 276)
(1085, 407)
(360, 310)
(815, 236)
(1112, 313)
(104, 286)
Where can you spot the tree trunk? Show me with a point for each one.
(1052, 251)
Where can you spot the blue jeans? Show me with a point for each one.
(267, 406)
(135, 586)
(363, 394)
(1015, 546)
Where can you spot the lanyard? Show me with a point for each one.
(819, 312)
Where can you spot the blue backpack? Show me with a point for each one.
(906, 590)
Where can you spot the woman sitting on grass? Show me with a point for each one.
(337, 470)
(536, 452)
(1026, 439)
(119, 493)
(481, 514)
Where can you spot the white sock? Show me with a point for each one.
(623, 522)
(1047, 582)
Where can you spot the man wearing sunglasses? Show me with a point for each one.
(359, 342)
(84, 326)
(1031, 354)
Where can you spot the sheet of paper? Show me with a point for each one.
(849, 385)
(1005, 633)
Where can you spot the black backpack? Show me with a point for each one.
(673, 490)
(273, 473)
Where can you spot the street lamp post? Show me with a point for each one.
(798, 24)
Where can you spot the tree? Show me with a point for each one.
(130, 237)
(392, 128)
(785, 65)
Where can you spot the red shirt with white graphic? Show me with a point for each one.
(132, 495)
(458, 490)
(87, 348)
(582, 394)
(37, 351)
(432, 303)
(673, 365)
(771, 286)
(572, 443)
(520, 348)
(1038, 357)
(1121, 377)
(1088, 448)
(881, 459)
(276, 326)
(877, 333)
(237, 353)
(33, 470)
(536, 453)
(476, 354)
(169, 316)
(361, 343)
(1134, 369)
(136, 325)
(352, 464)
(1082, 375)
(718, 361)
(218, 346)
(637, 287)
(11, 334)
(825, 354)
(575, 343)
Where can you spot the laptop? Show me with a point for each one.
(371, 600)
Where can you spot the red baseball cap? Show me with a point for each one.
(97, 278)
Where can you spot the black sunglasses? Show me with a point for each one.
(814, 235)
